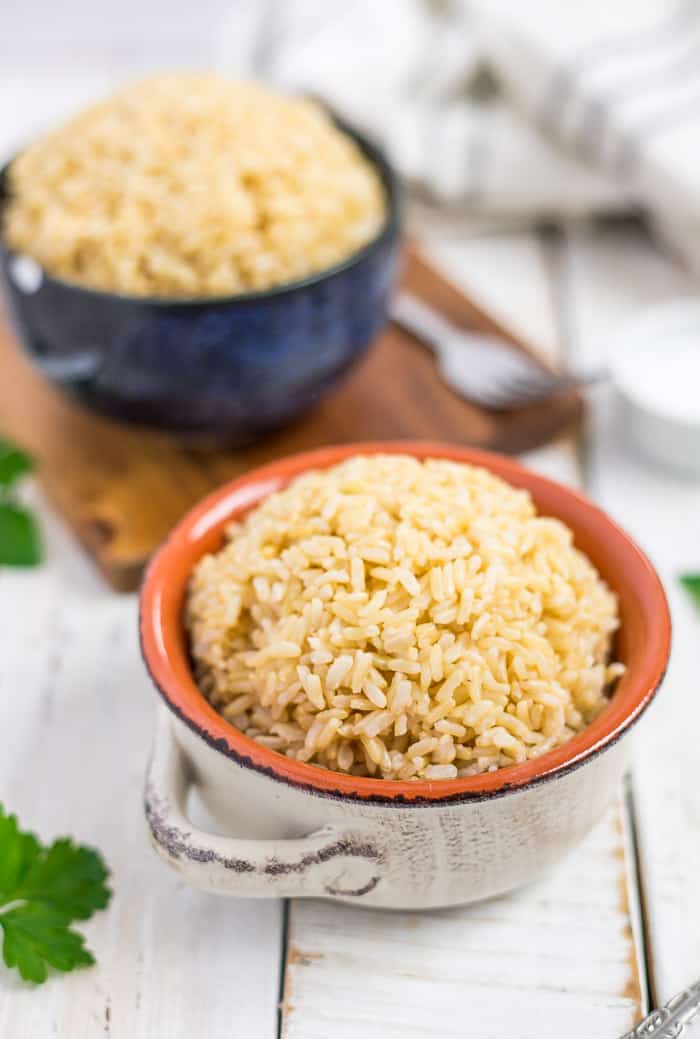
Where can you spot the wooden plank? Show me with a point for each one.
(561, 957)
(76, 714)
(611, 276)
(549, 961)
(121, 489)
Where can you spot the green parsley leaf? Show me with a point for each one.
(43, 889)
(14, 464)
(20, 541)
(67, 876)
(18, 851)
(35, 935)
(692, 583)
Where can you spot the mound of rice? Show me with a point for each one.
(402, 619)
(193, 185)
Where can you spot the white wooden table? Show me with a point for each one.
(580, 954)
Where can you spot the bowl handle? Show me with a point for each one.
(332, 862)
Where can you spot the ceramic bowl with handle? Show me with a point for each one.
(228, 368)
(281, 827)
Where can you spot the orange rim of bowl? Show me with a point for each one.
(643, 641)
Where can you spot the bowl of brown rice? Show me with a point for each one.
(199, 254)
(404, 625)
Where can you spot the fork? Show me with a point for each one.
(486, 370)
(672, 1020)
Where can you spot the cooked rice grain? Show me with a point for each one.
(403, 619)
(193, 185)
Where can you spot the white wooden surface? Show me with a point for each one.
(75, 717)
(555, 959)
(606, 276)
(560, 958)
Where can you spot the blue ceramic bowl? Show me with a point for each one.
(229, 368)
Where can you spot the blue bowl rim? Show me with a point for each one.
(390, 229)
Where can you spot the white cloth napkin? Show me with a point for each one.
(508, 110)
(618, 85)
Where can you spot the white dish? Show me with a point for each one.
(655, 365)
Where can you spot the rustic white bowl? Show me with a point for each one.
(288, 828)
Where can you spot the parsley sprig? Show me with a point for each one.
(43, 889)
(20, 542)
(691, 583)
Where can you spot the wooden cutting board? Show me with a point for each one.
(121, 488)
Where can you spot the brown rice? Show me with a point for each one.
(193, 185)
(402, 619)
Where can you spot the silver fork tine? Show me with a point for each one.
(486, 370)
(526, 389)
(545, 384)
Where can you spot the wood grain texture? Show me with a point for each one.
(122, 489)
(171, 961)
(560, 958)
(662, 511)
(548, 961)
